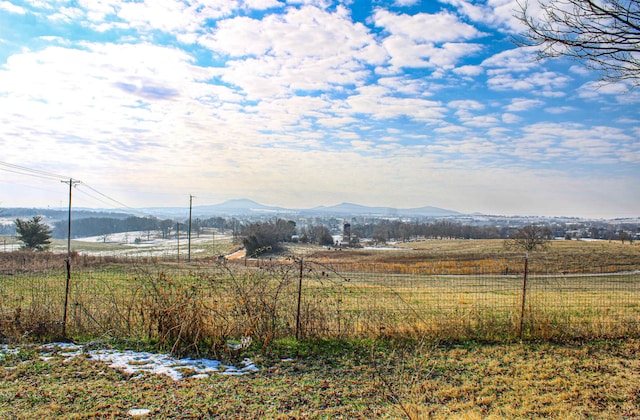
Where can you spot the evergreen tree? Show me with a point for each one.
(33, 233)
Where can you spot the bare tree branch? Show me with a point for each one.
(604, 34)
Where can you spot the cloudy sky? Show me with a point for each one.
(300, 103)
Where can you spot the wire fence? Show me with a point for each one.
(481, 304)
(183, 306)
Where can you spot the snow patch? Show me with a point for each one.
(144, 362)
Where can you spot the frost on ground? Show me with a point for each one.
(143, 362)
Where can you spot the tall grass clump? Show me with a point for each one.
(187, 310)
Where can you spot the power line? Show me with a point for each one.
(96, 198)
(106, 196)
(22, 170)
(111, 200)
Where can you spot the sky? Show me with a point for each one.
(302, 103)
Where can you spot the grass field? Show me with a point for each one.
(454, 290)
(452, 256)
(331, 379)
(428, 332)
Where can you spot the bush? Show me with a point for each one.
(261, 237)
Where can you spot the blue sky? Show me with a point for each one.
(300, 103)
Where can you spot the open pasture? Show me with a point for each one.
(482, 306)
(425, 359)
(444, 290)
(488, 257)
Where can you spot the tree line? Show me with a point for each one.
(95, 226)
(394, 230)
(264, 236)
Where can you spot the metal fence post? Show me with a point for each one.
(299, 300)
(524, 293)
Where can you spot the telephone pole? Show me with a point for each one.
(189, 233)
(178, 238)
(71, 183)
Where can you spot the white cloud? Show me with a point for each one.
(559, 109)
(262, 4)
(322, 4)
(509, 118)
(451, 129)
(575, 142)
(467, 104)
(469, 71)
(523, 104)
(480, 121)
(305, 49)
(174, 17)
(580, 70)
(298, 96)
(405, 85)
(12, 8)
(67, 14)
(413, 39)
(425, 40)
(40, 4)
(304, 32)
(622, 92)
(544, 83)
(124, 98)
(377, 102)
(466, 112)
(424, 27)
(628, 120)
(406, 54)
(496, 13)
(513, 60)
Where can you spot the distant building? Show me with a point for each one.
(346, 233)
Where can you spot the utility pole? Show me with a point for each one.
(189, 234)
(178, 237)
(71, 183)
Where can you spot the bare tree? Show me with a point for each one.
(529, 238)
(604, 34)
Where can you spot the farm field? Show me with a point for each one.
(561, 257)
(141, 244)
(436, 289)
(433, 329)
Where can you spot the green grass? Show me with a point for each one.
(327, 379)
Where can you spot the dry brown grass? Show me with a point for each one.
(347, 379)
(560, 371)
(454, 290)
(488, 257)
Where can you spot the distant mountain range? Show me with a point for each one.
(244, 207)
(239, 207)
(252, 210)
(359, 210)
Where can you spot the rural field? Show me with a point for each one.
(354, 379)
(433, 329)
